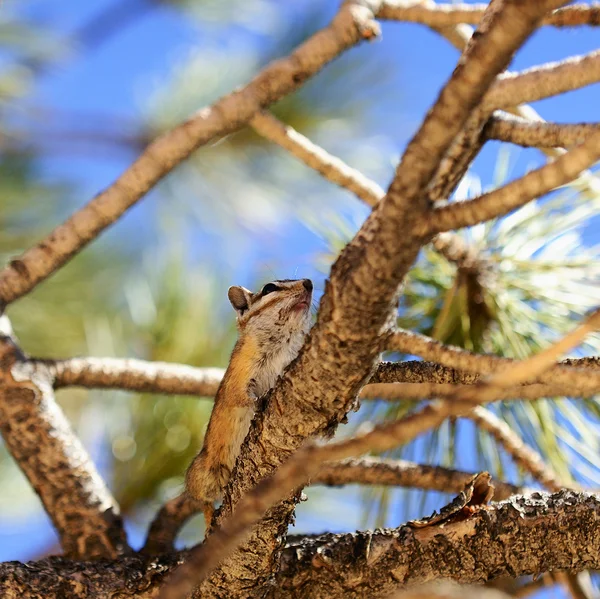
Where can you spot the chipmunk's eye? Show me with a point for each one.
(269, 288)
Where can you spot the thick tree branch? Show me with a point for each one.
(374, 563)
(38, 436)
(517, 193)
(523, 132)
(181, 379)
(575, 377)
(523, 535)
(445, 15)
(352, 24)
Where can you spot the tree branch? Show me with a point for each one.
(583, 373)
(420, 391)
(544, 81)
(399, 473)
(315, 157)
(517, 193)
(445, 15)
(338, 172)
(134, 375)
(523, 535)
(362, 471)
(522, 454)
(523, 132)
(38, 436)
(351, 25)
(575, 377)
(181, 379)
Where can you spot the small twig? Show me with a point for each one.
(540, 362)
(167, 523)
(522, 454)
(400, 473)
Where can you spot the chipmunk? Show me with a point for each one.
(272, 325)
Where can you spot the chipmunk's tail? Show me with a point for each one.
(203, 480)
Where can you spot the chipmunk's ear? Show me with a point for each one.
(240, 298)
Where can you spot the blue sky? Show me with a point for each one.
(119, 76)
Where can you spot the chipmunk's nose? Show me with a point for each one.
(307, 285)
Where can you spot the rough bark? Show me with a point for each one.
(41, 441)
(321, 386)
(523, 535)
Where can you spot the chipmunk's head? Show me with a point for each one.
(278, 310)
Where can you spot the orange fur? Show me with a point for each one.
(271, 334)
